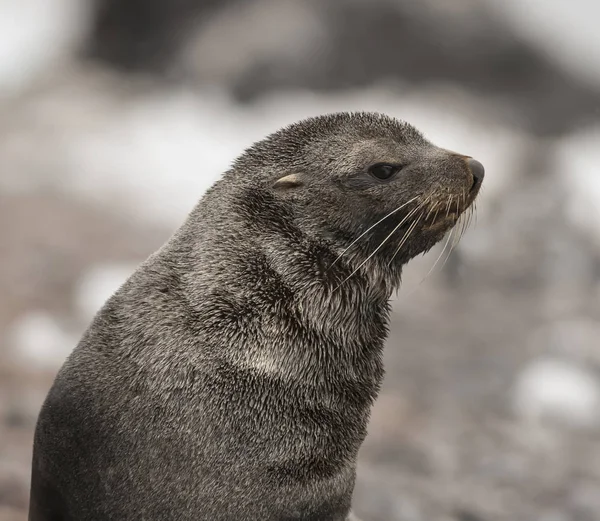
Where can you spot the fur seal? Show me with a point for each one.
(231, 377)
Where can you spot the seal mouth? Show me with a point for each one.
(447, 209)
(450, 209)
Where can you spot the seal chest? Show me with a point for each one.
(231, 377)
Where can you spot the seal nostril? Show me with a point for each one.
(477, 170)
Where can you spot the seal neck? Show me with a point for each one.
(256, 269)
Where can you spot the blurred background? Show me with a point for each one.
(116, 115)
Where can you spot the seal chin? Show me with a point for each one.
(441, 224)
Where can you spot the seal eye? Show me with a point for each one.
(384, 171)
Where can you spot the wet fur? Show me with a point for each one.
(231, 377)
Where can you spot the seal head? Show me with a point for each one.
(368, 185)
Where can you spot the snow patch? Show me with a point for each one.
(578, 166)
(35, 34)
(97, 285)
(556, 390)
(38, 340)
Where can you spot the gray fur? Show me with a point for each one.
(231, 377)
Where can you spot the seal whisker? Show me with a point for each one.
(370, 228)
(461, 225)
(411, 228)
(408, 216)
(448, 204)
(452, 234)
(431, 208)
(467, 223)
(438, 259)
(457, 236)
(470, 217)
(456, 241)
(464, 225)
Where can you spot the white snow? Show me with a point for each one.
(578, 167)
(554, 389)
(38, 340)
(36, 34)
(578, 164)
(97, 285)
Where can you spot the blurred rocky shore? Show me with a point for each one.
(117, 115)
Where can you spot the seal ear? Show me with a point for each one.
(288, 181)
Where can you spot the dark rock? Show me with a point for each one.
(466, 515)
(145, 35)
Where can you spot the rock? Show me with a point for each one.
(13, 490)
(576, 339)
(144, 35)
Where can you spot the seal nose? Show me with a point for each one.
(476, 169)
